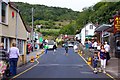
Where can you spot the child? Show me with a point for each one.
(95, 62)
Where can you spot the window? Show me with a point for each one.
(6, 43)
(21, 46)
(91, 26)
(4, 6)
(86, 32)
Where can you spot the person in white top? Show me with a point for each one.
(95, 45)
(46, 41)
(107, 48)
(75, 48)
(13, 58)
(98, 46)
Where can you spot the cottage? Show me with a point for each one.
(12, 28)
(87, 31)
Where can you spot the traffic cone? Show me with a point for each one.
(32, 59)
(81, 53)
(89, 61)
(78, 51)
(37, 56)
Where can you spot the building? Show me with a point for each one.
(87, 31)
(102, 33)
(12, 28)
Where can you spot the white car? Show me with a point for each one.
(50, 44)
(70, 44)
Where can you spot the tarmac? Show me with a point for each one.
(113, 67)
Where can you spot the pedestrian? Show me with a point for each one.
(75, 48)
(54, 47)
(98, 46)
(13, 58)
(107, 48)
(46, 48)
(86, 44)
(102, 58)
(95, 62)
(66, 48)
(95, 45)
(90, 45)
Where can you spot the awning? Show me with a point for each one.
(103, 27)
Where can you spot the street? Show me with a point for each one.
(59, 65)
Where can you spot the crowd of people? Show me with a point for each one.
(101, 54)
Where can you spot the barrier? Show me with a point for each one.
(37, 56)
(32, 59)
(89, 61)
(79, 52)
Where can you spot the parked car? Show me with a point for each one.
(50, 44)
(70, 44)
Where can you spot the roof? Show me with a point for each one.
(12, 5)
(103, 27)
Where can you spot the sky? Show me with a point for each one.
(76, 5)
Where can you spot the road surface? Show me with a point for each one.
(59, 65)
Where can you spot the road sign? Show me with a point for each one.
(116, 24)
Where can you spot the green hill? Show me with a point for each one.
(45, 13)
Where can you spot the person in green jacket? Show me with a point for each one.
(46, 48)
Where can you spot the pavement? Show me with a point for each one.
(59, 65)
(113, 67)
(28, 57)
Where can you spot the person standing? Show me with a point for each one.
(95, 62)
(13, 58)
(54, 47)
(107, 48)
(102, 58)
(66, 48)
(95, 45)
(46, 48)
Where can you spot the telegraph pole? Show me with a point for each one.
(17, 12)
(32, 30)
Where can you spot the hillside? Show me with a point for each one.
(45, 13)
(98, 14)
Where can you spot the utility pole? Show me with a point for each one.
(17, 27)
(32, 30)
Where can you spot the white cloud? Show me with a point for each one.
(76, 5)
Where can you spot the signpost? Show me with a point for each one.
(116, 24)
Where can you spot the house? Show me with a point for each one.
(12, 28)
(102, 33)
(87, 31)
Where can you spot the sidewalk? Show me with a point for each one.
(28, 56)
(113, 65)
